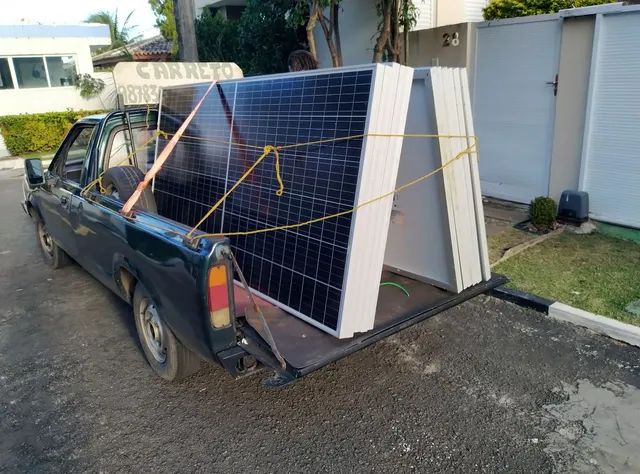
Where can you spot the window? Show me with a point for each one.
(38, 71)
(121, 152)
(6, 82)
(62, 70)
(75, 152)
(30, 72)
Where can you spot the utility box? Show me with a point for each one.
(574, 207)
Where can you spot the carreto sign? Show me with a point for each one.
(140, 83)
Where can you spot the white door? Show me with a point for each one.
(611, 152)
(514, 105)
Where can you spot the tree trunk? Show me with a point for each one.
(395, 32)
(385, 32)
(335, 59)
(184, 14)
(405, 32)
(311, 24)
(335, 27)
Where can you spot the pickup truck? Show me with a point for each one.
(189, 302)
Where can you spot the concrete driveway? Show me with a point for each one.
(486, 386)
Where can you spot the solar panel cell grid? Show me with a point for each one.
(302, 269)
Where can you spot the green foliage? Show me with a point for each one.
(89, 86)
(542, 212)
(217, 39)
(166, 20)
(121, 33)
(28, 133)
(260, 42)
(513, 8)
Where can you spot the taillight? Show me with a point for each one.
(218, 297)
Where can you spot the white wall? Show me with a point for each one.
(358, 25)
(48, 99)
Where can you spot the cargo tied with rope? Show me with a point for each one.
(314, 222)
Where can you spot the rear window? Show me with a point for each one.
(120, 152)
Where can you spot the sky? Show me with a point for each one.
(76, 11)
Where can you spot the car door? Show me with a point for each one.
(64, 183)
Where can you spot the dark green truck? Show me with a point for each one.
(188, 300)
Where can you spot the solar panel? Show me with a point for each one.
(304, 270)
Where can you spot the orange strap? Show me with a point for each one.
(164, 155)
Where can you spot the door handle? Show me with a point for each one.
(554, 83)
(64, 200)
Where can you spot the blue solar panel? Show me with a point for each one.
(301, 268)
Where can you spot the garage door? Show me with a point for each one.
(514, 105)
(611, 151)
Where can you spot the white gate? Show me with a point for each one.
(516, 63)
(610, 170)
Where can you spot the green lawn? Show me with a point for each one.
(502, 241)
(593, 272)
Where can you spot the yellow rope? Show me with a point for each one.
(406, 185)
(265, 152)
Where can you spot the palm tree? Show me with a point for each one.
(121, 34)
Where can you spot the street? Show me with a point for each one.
(484, 387)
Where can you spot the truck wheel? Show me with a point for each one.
(53, 255)
(121, 181)
(166, 355)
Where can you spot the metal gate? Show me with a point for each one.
(610, 170)
(516, 63)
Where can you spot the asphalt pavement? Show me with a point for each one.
(484, 387)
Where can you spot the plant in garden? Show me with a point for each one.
(89, 86)
(397, 17)
(121, 32)
(310, 13)
(28, 133)
(259, 42)
(497, 9)
(542, 212)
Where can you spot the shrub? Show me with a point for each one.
(542, 212)
(497, 9)
(259, 42)
(29, 133)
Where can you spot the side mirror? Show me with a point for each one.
(34, 172)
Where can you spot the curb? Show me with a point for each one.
(612, 328)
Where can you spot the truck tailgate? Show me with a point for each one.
(306, 348)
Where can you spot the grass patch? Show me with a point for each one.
(43, 155)
(502, 241)
(593, 272)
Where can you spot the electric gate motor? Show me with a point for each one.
(573, 207)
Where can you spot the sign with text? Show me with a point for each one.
(139, 83)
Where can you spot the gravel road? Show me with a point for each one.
(484, 387)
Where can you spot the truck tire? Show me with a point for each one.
(166, 355)
(52, 253)
(122, 181)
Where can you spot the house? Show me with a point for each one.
(155, 48)
(359, 24)
(39, 64)
(555, 106)
(229, 9)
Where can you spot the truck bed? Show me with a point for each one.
(307, 348)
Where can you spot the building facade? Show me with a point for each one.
(39, 63)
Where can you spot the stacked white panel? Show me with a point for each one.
(378, 173)
(437, 232)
